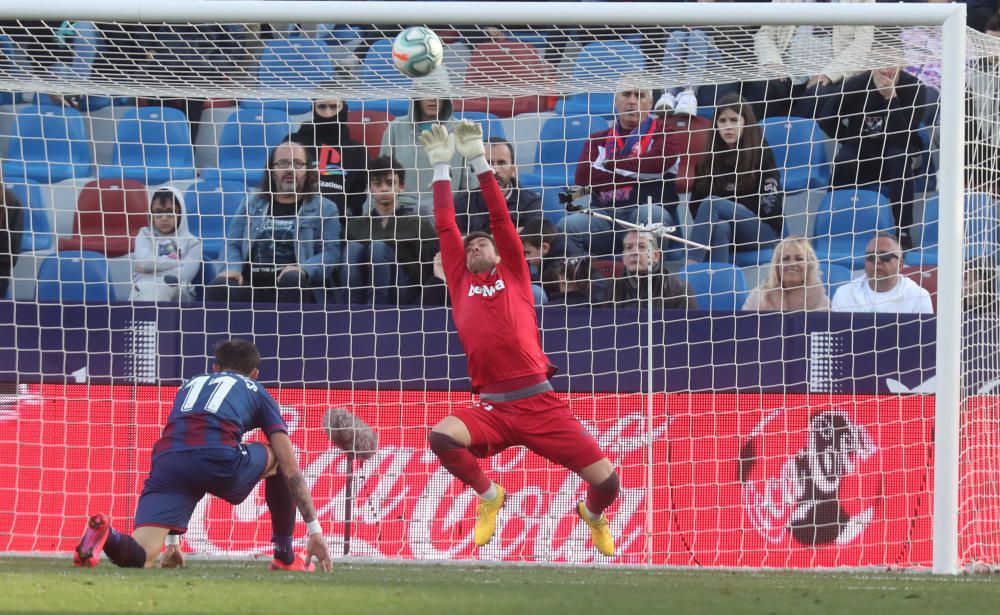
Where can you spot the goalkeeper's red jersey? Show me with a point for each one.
(494, 312)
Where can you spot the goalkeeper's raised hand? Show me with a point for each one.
(469, 140)
(439, 145)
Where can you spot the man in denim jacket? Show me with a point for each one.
(285, 240)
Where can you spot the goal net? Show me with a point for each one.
(767, 390)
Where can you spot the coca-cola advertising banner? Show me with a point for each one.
(712, 480)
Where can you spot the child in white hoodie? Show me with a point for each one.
(167, 256)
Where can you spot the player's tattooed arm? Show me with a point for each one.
(288, 466)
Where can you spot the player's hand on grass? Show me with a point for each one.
(469, 139)
(172, 557)
(316, 547)
(439, 145)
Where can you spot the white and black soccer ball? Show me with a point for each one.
(417, 51)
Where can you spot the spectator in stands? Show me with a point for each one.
(882, 289)
(285, 240)
(983, 125)
(575, 281)
(341, 161)
(623, 166)
(537, 238)
(875, 122)
(470, 206)
(779, 47)
(11, 228)
(400, 142)
(736, 200)
(167, 256)
(642, 258)
(793, 281)
(389, 249)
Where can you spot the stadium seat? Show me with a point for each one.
(379, 72)
(490, 123)
(926, 253)
(37, 235)
(49, 144)
(846, 222)
(506, 63)
(601, 62)
(289, 106)
(981, 225)
(834, 276)
(717, 286)
(109, 214)
(799, 147)
(74, 276)
(367, 127)
(560, 144)
(303, 63)
(153, 146)
(750, 258)
(698, 132)
(925, 277)
(209, 208)
(245, 143)
(553, 209)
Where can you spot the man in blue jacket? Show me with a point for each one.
(285, 240)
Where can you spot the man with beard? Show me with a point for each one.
(284, 240)
(340, 160)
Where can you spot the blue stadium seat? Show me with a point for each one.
(245, 143)
(74, 276)
(799, 147)
(296, 63)
(492, 127)
(210, 206)
(601, 61)
(834, 276)
(927, 252)
(48, 144)
(378, 72)
(560, 144)
(38, 234)
(845, 223)
(717, 286)
(981, 225)
(290, 106)
(153, 145)
(552, 208)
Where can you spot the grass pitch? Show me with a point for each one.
(30, 585)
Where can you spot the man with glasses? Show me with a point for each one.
(882, 289)
(285, 240)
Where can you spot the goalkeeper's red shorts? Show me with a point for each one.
(542, 423)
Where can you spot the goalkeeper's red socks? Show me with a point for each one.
(459, 461)
(281, 504)
(601, 495)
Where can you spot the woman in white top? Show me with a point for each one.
(792, 283)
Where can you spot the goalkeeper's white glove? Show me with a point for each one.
(439, 145)
(469, 139)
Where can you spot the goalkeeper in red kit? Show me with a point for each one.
(493, 309)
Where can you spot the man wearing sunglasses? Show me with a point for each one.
(882, 289)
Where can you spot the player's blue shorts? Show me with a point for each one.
(178, 480)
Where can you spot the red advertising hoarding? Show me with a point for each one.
(708, 479)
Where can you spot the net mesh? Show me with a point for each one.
(748, 431)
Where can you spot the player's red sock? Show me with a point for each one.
(459, 461)
(601, 495)
(282, 506)
(124, 551)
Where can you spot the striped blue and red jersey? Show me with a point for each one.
(215, 411)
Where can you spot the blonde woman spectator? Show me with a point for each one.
(793, 281)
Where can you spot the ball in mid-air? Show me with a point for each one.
(417, 51)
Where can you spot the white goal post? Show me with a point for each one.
(950, 18)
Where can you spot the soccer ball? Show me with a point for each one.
(417, 51)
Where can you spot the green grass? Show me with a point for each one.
(53, 586)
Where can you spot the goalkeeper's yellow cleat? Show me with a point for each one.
(486, 517)
(600, 532)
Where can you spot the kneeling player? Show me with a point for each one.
(201, 451)
(493, 309)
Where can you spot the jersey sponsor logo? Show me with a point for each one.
(815, 494)
(486, 290)
(329, 161)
